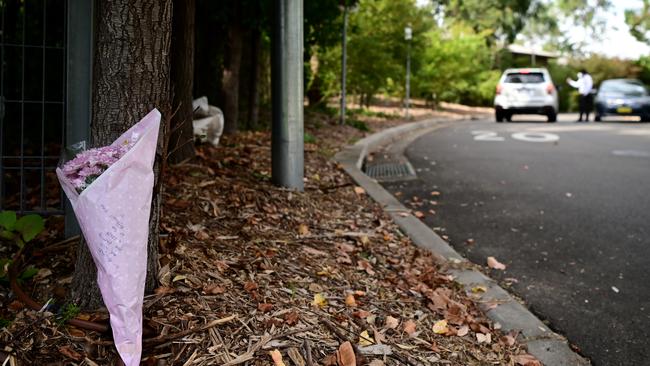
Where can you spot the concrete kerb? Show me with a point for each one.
(550, 348)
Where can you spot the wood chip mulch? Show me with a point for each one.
(253, 274)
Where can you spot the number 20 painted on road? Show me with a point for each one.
(521, 136)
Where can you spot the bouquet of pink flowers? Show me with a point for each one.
(90, 164)
(110, 189)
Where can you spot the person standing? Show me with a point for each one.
(584, 84)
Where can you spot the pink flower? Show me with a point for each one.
(90, 164)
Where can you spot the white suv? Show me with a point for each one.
(525, 91)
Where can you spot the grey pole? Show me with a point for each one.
(79, 68)
(408, 34)
(408, 78)
(344, 60)
(287, 144)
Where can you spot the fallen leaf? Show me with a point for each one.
(291, 318)
(526, 360)
(391, 322)
(462, 331)
(214, 289)
(264, 307)
(365, 339)
(312, 251)
(478, 289)
(409, 327)
(484, 338)
(495, 264)
(179, 278)
(361, 314)
(350, 301)
(345, 355)
(440, 327)
(277, 357)
(164, 290)
(314, 287)
(615, 289)
(364, 265)
(303, 229)
(358, 190)
(435, 193)
(508, 340)
(419, 214)
(319, 300)
(469, 241)
(250, 286)
(70, 353)
(376, 363)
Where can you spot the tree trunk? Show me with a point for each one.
(207, 52)
(181, 142)
(254, 103)
(131, 77)
(230, 80)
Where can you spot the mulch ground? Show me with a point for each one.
(253, 274)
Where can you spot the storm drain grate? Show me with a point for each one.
(390, 171)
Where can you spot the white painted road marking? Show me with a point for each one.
(535, 136)
(480, 135)
(486, 136)
(635, 153)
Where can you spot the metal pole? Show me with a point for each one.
(79, 67)
(287, 144)
(344, 61)
(408, 78)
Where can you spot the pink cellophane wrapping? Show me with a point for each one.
(113, 213)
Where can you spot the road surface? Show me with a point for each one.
(566, 206)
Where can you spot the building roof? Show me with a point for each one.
(523, 50)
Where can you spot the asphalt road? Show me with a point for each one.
(565, 206)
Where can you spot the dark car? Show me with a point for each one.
(623, 97)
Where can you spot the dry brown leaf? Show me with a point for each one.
(250, 286)
(213, 289)
(376, 363)
(291, 317)
(508, 340)
(462, 331)
(303, 229)
(526, 360)
(264, 307)
(495, 264)
(364, 265)
(345, 355)
(391, 322)
(435, 193)
(309, 250)
(358, 190)
(361, 314)
(409, 327)
(350, 301)
(418, 214)
(70, 353)
(277, 357)
(164, 290)
(484, 338)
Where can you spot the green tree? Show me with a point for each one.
(376, 46)
(639, 22)
(457, 67)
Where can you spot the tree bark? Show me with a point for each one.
(230, 79)
(131, 77)
(181, 142)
